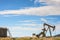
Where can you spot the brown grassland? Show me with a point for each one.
(30, 38)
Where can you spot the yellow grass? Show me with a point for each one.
(6, 38)
(26, 38)
(31, 38)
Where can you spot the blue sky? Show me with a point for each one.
(16, 4)
(24, 17)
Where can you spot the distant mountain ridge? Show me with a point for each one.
(58, 35)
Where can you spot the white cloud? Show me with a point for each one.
(16, 31)
(9, 15)
(50, 2)
(53, 8)
(36, 1)
(29, 21)
(26, 21)
(40, 11)
(58, 26)
(40, 1)
(24, 28)
(30, 25)
(44, 20)
(57, 29)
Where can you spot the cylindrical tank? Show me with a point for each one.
(3, 32)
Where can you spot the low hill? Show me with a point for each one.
(58, 35)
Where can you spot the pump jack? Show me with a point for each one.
(44, 30)
(49, 28)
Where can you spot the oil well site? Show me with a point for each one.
(29, 19)
(39, 36)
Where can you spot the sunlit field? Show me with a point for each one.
(30, 38)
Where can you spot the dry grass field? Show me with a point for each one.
(30, 38)
(56, 38)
